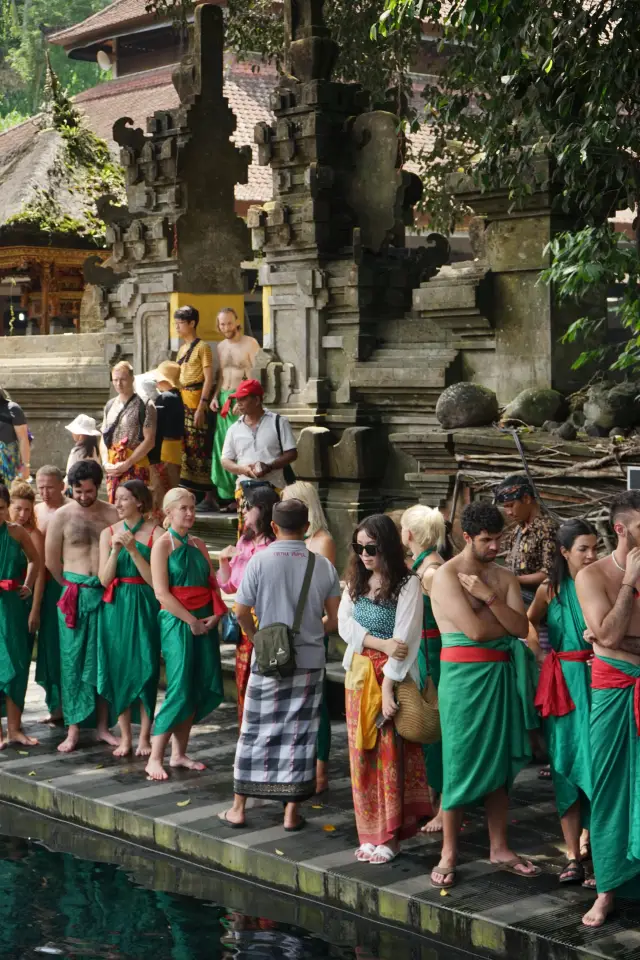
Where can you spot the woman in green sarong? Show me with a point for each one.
(424, 534)
(129, 642)
(19, 568)
(564, 690)
(186, 588)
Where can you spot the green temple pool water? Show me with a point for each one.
(67, 892)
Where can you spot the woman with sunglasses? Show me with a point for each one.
(380, 620)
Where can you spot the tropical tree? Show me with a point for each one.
(558, 79)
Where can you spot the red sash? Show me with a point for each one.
(193, 598)
(109, 594)
(10, 585)
(68, 602)
(606, 677)
(552, 696)
(473, 655)
(433, 634)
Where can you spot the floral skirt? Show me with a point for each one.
(9, 461)
(390, 791)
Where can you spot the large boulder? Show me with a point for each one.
(617, 406)
(467, 405)
(536, 405)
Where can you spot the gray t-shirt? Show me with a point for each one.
(272, 583)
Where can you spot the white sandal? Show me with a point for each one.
(385, 852)
(364, 852)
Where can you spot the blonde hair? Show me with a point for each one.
(426, 525)
(301, 490)
(123, 365)
(171, 498)
(21, 490)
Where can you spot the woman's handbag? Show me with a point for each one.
(418, 719)
(229, 629)
(273, 644)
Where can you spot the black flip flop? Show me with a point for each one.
(299, 825)
(222, 817)
(574, 873)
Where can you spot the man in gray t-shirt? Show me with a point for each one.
(276, 752)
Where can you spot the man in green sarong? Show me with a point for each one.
(608, 594)
(486, 690)
(236, 357)
(72, 557)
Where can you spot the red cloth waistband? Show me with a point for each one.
(474, 655)
(606, 677)
(193, 598)
(10, 585)
(552, 696)
(109, 594)
(68, 602)
(433, 634)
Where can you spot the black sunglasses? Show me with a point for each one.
(369, 548)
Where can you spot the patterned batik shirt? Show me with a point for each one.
(131, 422)
(532, 548)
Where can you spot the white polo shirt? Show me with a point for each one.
(245, 445)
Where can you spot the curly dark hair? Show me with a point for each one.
(393, 574)
(566, 536)
(481, 516)
(85, 470)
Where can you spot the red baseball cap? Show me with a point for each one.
(248, 388)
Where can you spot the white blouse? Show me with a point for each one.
(408, 627)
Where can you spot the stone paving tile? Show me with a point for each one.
(489, 911)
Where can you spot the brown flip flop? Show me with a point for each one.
(447, 871)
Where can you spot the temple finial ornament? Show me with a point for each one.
(311, 53)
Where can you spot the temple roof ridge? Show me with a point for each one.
(102, 23)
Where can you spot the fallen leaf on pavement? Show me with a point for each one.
(280, 853)
(328, 828)
(32, 774)
(23, 753)
(316, 806)
(444, 893)
(183, 803)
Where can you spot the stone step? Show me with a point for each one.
(217, 530)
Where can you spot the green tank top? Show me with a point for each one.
(428, 619)
(125, 566)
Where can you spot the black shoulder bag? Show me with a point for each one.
(273, 644)
(288, 471)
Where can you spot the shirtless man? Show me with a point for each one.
(479, 610)
(608, 594)
(72, 555)
(236, 357)
(50, 486)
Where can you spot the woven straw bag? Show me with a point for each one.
(418, 719)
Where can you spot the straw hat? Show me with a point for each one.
(83, 425)
(168, 370)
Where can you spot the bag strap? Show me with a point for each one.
(187, 355)
(304, 593)
(278, 432)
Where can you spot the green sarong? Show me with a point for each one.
(129, 641)
(15, 640)
(48, 660)
(615, 801)
(193, 668)
(79, 652)
(223, 481)
(567, 737)
(429, 665)
(486, 711)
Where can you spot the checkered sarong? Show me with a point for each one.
(276, 752)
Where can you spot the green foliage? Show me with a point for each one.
(11, 119)
(24, 25)
(559, 80)
(257, 27)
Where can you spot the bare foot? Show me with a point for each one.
(143, 749)
(155, 770)
(433, 826)
(187, 763)
(123, 750)
(105, 736)
(20, 737)
(231, 816)
(70, 744)
(600, 910)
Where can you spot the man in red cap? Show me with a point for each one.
(259, 446)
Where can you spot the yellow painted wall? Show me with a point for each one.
(209, 306)
(266, 313)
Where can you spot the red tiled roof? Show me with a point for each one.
(99, 25)
(140, 95)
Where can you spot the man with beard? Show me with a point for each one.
(50, 486)
(72, 555)
(236, 357)
(486, 691)
(608, 594)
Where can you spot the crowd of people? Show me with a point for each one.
(539, 652)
